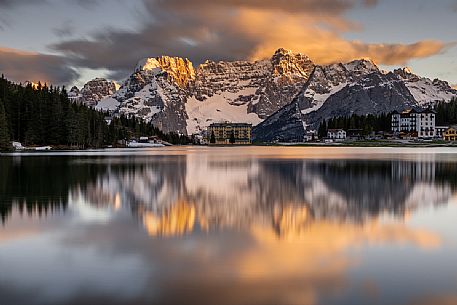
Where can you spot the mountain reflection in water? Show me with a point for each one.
(221, 229)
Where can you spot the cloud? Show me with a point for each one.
(238, 30)
(7, 5)
(322, 45)
(24, 66)
(307, 6)
(454, 6)
(437, 300)
(12, 3)
(88, 3)
(65, 30)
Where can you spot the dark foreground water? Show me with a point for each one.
(230, 226)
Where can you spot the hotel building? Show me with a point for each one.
(229, 133)
(414, 123)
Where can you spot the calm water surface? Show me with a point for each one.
(230, 226)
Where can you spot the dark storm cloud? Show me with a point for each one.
(237, 29)
(27, 66)
(119, 51)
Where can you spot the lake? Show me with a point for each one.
(241, 225)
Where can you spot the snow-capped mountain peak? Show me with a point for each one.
(362, 66)
(406, 73)
(93, 91)
(285, 62)
(147, 64)
(178, 69)
(177, 97)
(425, 90)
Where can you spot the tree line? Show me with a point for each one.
(446, 113)
(38, 115)
(365, 123)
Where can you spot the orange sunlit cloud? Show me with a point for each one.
(324, 45)
(19, 65)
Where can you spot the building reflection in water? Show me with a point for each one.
(221, 230)
(173, 195)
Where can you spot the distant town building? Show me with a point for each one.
(310, 136)
(355, 134)
(414, 123)
(336, 134)
(440, 130)
(450, 134)
(229, 133)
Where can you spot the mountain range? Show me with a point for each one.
(283, 96)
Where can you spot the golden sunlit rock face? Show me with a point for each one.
(286, 62)
(178, 69)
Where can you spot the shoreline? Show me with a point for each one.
(374, 144)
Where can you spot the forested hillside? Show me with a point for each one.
(446, 113)
(42, 115)
(366, 123)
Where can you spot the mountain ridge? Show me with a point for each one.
(177, 97)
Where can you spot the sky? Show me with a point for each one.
(68, 42)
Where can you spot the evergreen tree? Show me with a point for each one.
(365, 123)
(213, 138)
(322, 131)
(446, 113)
(5, 143)
(232, 138)
(44, 115)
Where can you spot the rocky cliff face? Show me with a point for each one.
(94, 91)
(244, 91)
(177, 97)
(424, 90)
(359, 87)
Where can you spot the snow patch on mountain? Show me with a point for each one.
(93, 91)
(424, 90)
(145, 103)
(108, 104)
(174, 96)
(218, 108)
(320, 98)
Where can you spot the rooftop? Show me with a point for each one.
(230, 124)
(408, 111)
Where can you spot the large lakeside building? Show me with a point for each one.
(415, 123)
(229, 133)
